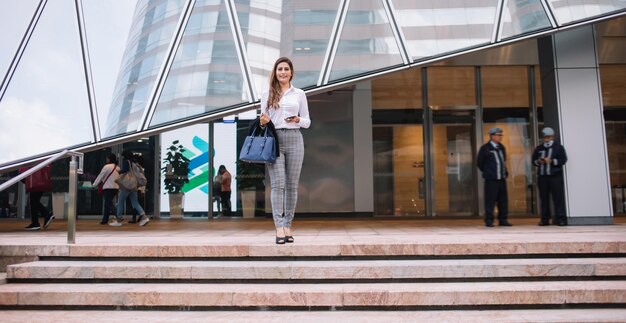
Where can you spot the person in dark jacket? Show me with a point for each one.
(491, 161)
(549, 157)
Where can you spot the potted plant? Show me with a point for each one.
(176, 171)
(249, 182)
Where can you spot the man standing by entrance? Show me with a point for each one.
(491, 161)
(549, 157)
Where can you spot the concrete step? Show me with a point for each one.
(264, 296)
(321, 269)
(465, 316)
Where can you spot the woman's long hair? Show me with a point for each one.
(275, 91)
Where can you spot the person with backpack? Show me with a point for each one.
(36, 185)
(129, 165)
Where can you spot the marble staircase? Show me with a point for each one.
(321, 277)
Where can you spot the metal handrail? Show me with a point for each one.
(75, 169)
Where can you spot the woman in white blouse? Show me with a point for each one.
(287, 109)
(108, 175)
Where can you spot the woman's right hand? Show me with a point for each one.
(265, 119)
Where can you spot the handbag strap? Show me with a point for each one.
(111, 173)
(264, 130)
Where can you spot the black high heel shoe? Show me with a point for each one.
(280, 240)
(289, 239)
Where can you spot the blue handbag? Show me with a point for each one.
(259, 149)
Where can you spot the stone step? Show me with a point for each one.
(466, 316)
(321, 269)
(265, 296)
(398, 246)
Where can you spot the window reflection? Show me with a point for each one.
(520, 17)
(297, 29)
(152, 29)
(436, 27)
(205, 74)
(567, 11)
(366, 42)
(106, 47)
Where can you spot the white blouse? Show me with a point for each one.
(292, 103)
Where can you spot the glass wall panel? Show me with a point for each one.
(366, 42)
(505, 100)
(398, 144)
(153, 25)
(614, 100)
(453, 166)
(297, 29)
(14, 19)
(194, 140)
(451, 86)
(567, 11)
(523, 16)
(45, 106)
(107, 27)
(327, 178)
(433, 27)
(206, 73)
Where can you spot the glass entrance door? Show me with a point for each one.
(454, 174)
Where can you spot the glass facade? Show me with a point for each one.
(158, 63)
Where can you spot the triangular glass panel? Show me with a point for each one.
(435, 27)
(14, 19)
(152, 28)
(523, 16)
(46, 106)
(300, 30)
(569, 11)
(206, 74)
(366, 43)
(107, 25)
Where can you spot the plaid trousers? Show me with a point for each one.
(285, 175)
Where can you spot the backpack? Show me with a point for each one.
(141, 177)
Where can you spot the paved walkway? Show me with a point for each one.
(308, 231)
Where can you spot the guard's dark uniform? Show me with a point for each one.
(550, 181)
(491, 161)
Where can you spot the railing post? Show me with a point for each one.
(71, 208)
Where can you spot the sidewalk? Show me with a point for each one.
(310, 231)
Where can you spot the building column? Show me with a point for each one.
(572, 105)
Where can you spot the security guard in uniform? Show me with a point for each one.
(491, 161)
(549, 157)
